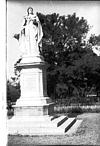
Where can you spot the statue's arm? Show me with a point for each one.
(17, 36)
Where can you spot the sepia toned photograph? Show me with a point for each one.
(52, 72)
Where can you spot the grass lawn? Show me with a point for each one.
(87, 134)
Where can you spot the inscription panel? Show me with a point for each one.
(29, 85)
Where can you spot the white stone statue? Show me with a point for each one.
(30, 37)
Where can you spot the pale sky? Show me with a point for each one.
(90, 10)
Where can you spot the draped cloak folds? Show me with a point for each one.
(31, 36)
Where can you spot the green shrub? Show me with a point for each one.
(76, 110)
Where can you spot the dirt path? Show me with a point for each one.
(88, 134)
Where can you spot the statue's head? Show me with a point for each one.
(30, 10)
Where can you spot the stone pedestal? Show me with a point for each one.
(33, 112)
(34, 100)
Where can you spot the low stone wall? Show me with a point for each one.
(77, 109)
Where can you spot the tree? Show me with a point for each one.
(73, 68)
(13, 91)
(94, 40)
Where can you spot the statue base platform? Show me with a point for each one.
(39, 110)
(42, 125)
(34, 110)
(33, 105)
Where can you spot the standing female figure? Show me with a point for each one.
(31, 34)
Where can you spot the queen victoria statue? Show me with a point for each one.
(30, 36)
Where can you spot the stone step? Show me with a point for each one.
(31, 118)
(34, 124)
(67, 124)
(74, 128)
(54, 117)
(60, 120)
(34, 131)
(45, 123)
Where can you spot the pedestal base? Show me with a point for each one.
(47, 109)
(33, 109)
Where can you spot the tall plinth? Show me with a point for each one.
(33, 85)
(33, 112)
